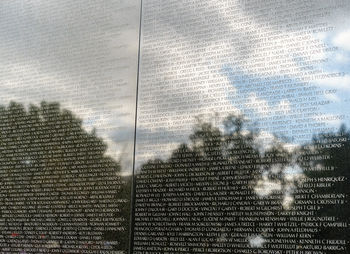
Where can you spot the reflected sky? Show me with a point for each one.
(82, 54)
(284, 65)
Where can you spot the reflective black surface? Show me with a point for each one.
(242, 138)
(241, 115)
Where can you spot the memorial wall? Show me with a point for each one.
(199, 126)
(68, 98)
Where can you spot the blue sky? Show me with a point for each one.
(267, 99)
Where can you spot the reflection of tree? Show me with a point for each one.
(327, 163)
(58, 190)
(221, 191)
(209, 186)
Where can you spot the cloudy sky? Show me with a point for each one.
(283, 64)
(277, 62)
(82, 54)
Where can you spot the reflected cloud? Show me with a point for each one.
(82, 54)
(342, 40)
(256, 241)
(265, 186)
(270, 182)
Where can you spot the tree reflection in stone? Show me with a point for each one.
(58, 189)
(228, 190)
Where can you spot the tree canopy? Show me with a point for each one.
(58, 189)
(236, 195)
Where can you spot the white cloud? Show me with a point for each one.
(341, 58)
(341, 83)
(293, 172)
(287, 202)
(292, 176)
(342, 40)
(82, 54)
(332, 119)
(290, 147)
(332, 97)
(265, 186)
(264, 109)
(256, 241)
(207, 35)
(264, 141)
(259, 105)
(283, 107)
